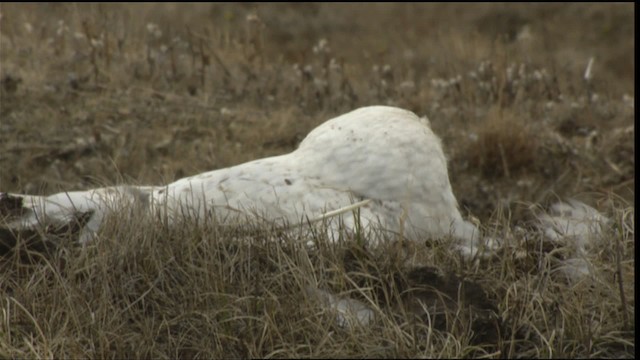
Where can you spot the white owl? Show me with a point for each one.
(382, 163)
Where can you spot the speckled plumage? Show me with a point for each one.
(383, 154)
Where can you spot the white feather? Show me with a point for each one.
(577, 225)
(349, 312)
(574, 222)
(385, 159)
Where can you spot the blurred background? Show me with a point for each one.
(533, 101)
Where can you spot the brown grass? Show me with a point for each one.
(138, 93)
(505, 145)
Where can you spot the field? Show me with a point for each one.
(533, 102)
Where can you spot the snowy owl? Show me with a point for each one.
(375, 167)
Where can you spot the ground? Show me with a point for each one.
(534, 103)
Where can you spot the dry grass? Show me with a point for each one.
(146, 290)
(505, 145)
(93, 94)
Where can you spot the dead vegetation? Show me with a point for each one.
(505, 145)
(96, 94)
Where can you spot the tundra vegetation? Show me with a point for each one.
(534, 103)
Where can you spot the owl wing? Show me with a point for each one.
(275, 190)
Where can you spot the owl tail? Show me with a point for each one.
(40, 221)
